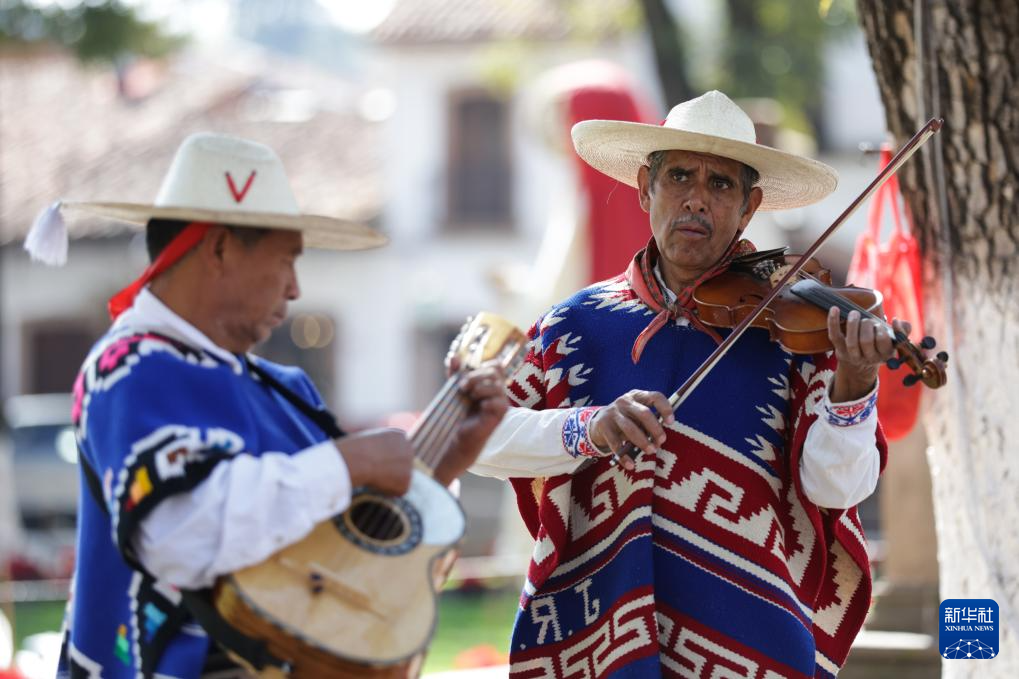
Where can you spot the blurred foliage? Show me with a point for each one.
(507, 63)
(590, 22)
(771, 49)
(96, 31)
(775, 48)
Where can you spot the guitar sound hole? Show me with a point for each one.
(380, 524)
(378, 521)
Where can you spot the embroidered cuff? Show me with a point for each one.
(851, 413)
(577, 437)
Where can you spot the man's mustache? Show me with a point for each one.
(679, 222)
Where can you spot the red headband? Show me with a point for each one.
(182, 243)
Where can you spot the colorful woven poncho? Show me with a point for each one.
(708, 560)
(153, 417)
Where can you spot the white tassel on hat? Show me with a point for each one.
(47, 240)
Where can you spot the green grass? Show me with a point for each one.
(466, 620)
(32, 618)
(471, 619)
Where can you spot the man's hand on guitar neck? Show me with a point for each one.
(485, 388)
(380, 458)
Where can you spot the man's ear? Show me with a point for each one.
(644, 188)
(213, 248)
(753, 202)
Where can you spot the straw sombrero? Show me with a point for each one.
(219, 179)
(713, 124)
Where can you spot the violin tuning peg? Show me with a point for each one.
(943, 356)
(928, 342)
(910, 380)
(893, 363)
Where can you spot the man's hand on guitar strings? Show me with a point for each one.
(485, 389)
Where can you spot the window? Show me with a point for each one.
(54, 352)
(480, 173)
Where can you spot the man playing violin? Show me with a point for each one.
(732, 540)
(199, 458)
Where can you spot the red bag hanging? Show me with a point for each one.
(893, 268)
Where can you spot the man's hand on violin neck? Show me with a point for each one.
(860, 349)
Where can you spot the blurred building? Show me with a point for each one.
(418, 128)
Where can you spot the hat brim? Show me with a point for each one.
(618, 149)
(327, 233)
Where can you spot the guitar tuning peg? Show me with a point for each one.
(910, 380)
(928, 342)
(893, 363)
(943, 356)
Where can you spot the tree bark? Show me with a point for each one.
(963, 194)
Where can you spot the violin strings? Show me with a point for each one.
(827, 299)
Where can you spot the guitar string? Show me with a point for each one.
(380, 519)
(430, 437)
(436, 430)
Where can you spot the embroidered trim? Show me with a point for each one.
(848, 414)
(577, 436)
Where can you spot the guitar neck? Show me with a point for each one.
(434, 431)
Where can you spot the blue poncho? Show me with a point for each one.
(153, 416)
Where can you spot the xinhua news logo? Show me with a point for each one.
(969, 629)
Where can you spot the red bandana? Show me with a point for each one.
(641, 277)
(183, 243)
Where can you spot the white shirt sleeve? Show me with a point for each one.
(248, 508)
(840, 464)
(839, 467)
(527, 443)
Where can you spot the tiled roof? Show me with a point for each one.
(70, 136)
(463, 21)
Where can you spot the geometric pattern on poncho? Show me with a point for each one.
(707, 560)
(153, 416)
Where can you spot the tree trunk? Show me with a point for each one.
(963, 193)
(669, 59)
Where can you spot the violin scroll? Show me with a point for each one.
(931, 371)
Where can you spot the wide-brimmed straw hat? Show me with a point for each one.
(712, 124)
(222, 179)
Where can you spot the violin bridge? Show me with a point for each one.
(778, 273)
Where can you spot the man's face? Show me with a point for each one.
(696, 207)
(258, 280)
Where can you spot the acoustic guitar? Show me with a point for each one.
(357, 596)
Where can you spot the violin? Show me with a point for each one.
(742, 311)
(797, 317)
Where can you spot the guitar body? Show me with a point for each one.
(356, 597)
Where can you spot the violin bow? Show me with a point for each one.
(903, 154)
